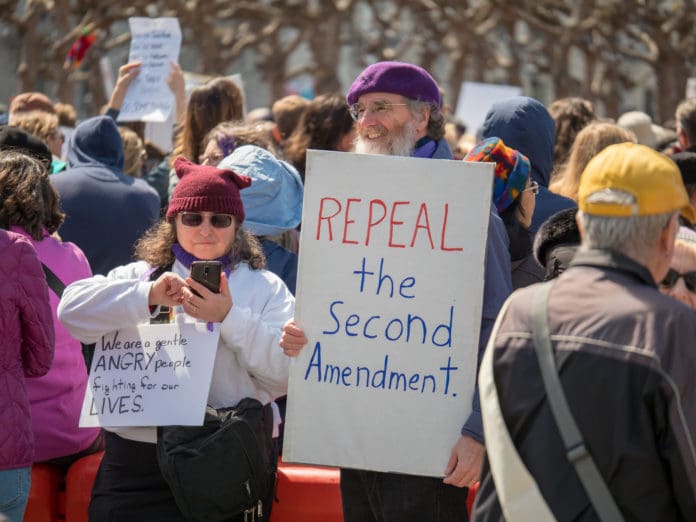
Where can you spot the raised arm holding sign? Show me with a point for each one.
(155, 44)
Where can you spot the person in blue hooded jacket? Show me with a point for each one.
(524, 124)
(106, 210)
(273, 204)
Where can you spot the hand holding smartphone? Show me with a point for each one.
(208, 274)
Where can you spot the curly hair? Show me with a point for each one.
(29, 200)
(436, 121)
(155, 246)
(217, 100)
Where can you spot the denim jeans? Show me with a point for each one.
(370, 496)
(14, 492)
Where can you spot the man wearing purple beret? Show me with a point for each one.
(396, 107)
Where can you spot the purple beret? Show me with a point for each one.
(401, 78)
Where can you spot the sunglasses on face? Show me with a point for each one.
(673, 276)
(195, 219)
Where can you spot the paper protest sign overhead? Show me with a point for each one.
(390, 287)
(155, 42)
(151, 375)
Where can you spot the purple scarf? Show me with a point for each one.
(186, 259)
(425, 148)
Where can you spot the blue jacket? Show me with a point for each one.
(281, 262)
(497, 286)
(524, 124)
(106, 210)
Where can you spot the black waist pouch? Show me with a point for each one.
(223, 469)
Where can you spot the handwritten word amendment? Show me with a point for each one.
(385, 377)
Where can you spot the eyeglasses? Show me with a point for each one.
(378, 108)
(533, 186)
(195, 219)
(673, 276)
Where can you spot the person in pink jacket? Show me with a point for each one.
(29, 206)
(26, 350)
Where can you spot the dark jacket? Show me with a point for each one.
(524, 124)
(26, 349)
(626, 361)
(106, 210)
(497, 286)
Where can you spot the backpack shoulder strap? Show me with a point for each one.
(517, 491)
(578, 455)
(54, 283)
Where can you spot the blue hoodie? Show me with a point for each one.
(106, 210)
(524, 124)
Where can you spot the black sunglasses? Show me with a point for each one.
(195, 219)
(673, 276)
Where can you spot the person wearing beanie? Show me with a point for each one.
(514, 194)
(204, 221)
(620, 354)
(397, 110)
(106, 210)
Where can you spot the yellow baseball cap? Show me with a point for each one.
(650, 177)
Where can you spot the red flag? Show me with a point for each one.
(79, 48)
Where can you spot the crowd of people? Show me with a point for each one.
(590, 225)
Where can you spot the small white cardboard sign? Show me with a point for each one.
(390, 287)
(151, 375)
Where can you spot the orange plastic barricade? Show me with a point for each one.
(45, 495)
(78, 486)
(471, 497)
(307, 493)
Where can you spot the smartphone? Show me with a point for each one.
(207, 273)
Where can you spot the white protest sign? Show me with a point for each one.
(390, 287)
(475, 100)
(151, 375)
(155, 42)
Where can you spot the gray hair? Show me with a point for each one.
(436, 122)
(634, 236)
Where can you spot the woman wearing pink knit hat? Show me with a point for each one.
(204, 221)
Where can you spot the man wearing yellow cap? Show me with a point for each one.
(621, 356)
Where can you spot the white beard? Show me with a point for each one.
(401, 143)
